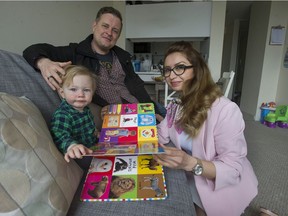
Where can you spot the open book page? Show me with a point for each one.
(124, 178)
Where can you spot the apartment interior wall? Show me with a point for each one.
(61, 22)
(121, 6)
(216, 38)
(265, 79)
(254, 56)
(282, 88)
(273, 85)
(26, 23)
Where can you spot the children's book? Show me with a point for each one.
(128, 129)
(124, 178)
(123, 168)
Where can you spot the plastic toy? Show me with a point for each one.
(267, 108)
(282, 116)
(278, 118)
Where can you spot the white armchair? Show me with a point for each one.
(168, 97)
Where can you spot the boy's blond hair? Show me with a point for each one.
(73, 70)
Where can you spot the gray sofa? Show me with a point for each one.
(34, 178)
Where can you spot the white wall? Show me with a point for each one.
(273, 60)
(173, 20)
(25, 23)
(254, 56)
(282, 88)
(121, 6)
(216, 38)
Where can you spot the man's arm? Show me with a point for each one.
(37, 51)
(50, 61)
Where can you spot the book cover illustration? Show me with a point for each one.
(124, 178)
(119, 135)
(128, 129)
(146, 120)
(146, 108)
(148, 133)
(111, 121)
(129, 120)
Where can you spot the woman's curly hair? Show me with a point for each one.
(199, 93)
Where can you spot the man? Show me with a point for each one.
(116, 80)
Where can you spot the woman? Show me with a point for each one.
(207, 130)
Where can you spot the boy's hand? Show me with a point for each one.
(77, 151)
(104, 111)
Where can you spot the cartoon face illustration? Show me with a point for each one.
(101, 165)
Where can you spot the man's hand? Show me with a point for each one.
(51, 71)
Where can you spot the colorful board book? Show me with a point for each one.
(124, 178)
(128, 129)
(123, 168)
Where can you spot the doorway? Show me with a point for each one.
(235, 44)
(240, 61)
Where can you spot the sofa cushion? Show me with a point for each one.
(18, 78)
(34, 177)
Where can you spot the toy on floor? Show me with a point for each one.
(277, 118)
(267, 108)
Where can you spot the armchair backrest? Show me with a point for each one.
(225, 82)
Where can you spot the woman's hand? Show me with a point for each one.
(175, 158)
(159, 117)
(76, 151)
(51, 71)
(178, 159)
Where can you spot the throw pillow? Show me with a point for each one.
(34, 177)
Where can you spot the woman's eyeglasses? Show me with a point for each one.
(178, 70)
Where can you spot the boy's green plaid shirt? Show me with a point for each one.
(69, 126)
